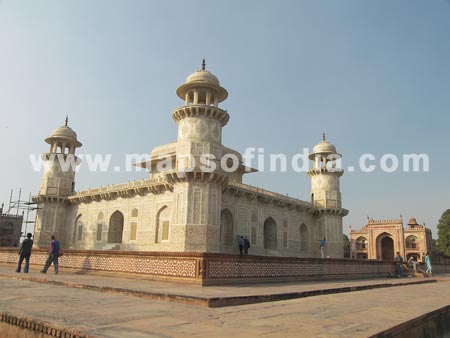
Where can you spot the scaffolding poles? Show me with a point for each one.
(26, 206)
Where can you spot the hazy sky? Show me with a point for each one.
(374, 75)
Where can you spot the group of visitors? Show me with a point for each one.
(244, 245)
(54, 252)
(410, 263)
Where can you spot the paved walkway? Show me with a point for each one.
(212, 296)
(117, 313)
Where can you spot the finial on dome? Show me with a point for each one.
(323, 136)
(67, 120)
(203, 65)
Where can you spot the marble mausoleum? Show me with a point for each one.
(186, 208)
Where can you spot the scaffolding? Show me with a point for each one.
(25, 207)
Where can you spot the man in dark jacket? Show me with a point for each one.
(25, 253)
(399, 261)
(246, 245)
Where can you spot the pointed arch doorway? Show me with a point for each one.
(387, 249)
(115, 227)
(270, 234)
(226, 227)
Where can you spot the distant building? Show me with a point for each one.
(10, 229)
(381, 239)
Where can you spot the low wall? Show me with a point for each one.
(433, 324)
(14, 326)
(222, 269)
(176, 266)
(213, 268)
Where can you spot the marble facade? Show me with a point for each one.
(191, 205)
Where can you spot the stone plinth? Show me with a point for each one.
(212, 268)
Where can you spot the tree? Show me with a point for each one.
(434, 247)
(444, 233)
(346, 243)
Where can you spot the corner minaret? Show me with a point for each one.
(58, 182)
(326, 195)
(198, 192)
(325, 190)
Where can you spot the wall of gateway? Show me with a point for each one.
(212, 268)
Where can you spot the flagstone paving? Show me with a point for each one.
(112, 314)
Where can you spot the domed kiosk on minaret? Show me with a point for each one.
(202, 87)
(63, 139)
(202, 94)
(323, 154)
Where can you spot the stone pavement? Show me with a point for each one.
(125, 307)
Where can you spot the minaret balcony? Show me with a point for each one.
(326, 170)
(61, 157)
(199, 110)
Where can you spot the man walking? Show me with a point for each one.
(53, 254)
(428, 264)
(25, 253)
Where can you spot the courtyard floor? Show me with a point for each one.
(114, 305)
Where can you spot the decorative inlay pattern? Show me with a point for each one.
(255, 269)
(161, 266)
(146, 265)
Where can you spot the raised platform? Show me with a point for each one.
(212, 268)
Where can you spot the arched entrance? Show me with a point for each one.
(270, 234)
(163, 225)
(115, 228)
(77, 229)
(303, 238)
(387, 249)
(226, 227)
(411, 242)
(361, 243)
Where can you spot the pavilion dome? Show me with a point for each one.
(203, 76)
(325, 148)
(201, 79)
(64, 133)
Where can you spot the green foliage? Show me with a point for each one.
(444, 233)
(434, 246)
(346, 243)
